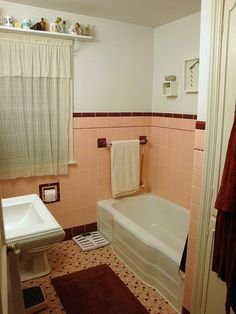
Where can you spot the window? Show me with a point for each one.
(35, 106)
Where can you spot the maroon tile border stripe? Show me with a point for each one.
(134, 114)
(74, 231)
(201, 125)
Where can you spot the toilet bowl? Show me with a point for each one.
(34, 263)
(28, 222)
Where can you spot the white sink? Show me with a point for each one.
(28, 222)
(21, 216)
(26, 217)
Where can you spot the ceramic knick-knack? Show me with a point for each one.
(86, 30)
(43, 24)
(63, 27)
(58, 20)
(18, 24)
(26, 23)
(8, 21)
(74, 29)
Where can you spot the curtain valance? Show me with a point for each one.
(35, 58)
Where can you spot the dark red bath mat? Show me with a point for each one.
(96, 290)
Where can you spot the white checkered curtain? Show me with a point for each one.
(35, 106)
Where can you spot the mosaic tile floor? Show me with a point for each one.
(66, 257)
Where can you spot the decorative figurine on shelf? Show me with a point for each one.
(8, 21)
(26, 23)
(63, 27)
(86, 30)
(56, 27)
(18, 24)
(36, 27)
(40, 26)
(43, 24)
(74, 29)
(58, 20)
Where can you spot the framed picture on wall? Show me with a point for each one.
(191, 75)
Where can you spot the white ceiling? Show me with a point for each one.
(150, 13)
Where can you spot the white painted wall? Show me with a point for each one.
(112, 73)
(174, 43)
(205, 56)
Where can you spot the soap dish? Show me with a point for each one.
(170, 77)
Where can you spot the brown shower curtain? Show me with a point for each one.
(224, 254)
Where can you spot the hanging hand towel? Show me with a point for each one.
(125, 167)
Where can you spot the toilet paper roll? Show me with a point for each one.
(50, 195)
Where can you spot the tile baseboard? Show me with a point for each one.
(71, 232)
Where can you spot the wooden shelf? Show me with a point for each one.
(45, 33)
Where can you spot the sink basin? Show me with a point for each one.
(26, 217)
(20, 216)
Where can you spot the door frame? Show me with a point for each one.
(213, 148)
(3, 265)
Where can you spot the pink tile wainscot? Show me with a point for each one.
(89, 179)
(172, 158)
(194, 214)
(173, 164)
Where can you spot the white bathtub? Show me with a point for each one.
(148, 233)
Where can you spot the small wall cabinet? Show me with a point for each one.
(170, 88)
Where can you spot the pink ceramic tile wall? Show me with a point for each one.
(172, 168)
(167, 164)
(194, 214)
(172, 158)
(89, 179)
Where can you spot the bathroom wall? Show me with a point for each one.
(168, 162)
(205, 56)
(199, 143)
(174, 43)
(89, 179)
(114, 71)
(106, 79)
(172, 158)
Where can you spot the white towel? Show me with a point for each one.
(125, 167)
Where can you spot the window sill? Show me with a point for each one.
(72, 163)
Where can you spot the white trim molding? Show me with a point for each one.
(211, 96)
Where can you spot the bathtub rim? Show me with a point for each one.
(137, 230)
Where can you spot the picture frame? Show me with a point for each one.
(191, 75)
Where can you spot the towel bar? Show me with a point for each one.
(102, 142)
(142, 142)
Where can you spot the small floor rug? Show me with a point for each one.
(96, 290)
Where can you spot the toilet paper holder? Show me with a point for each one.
(49, 192)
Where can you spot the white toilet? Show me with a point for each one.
(28, 222)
